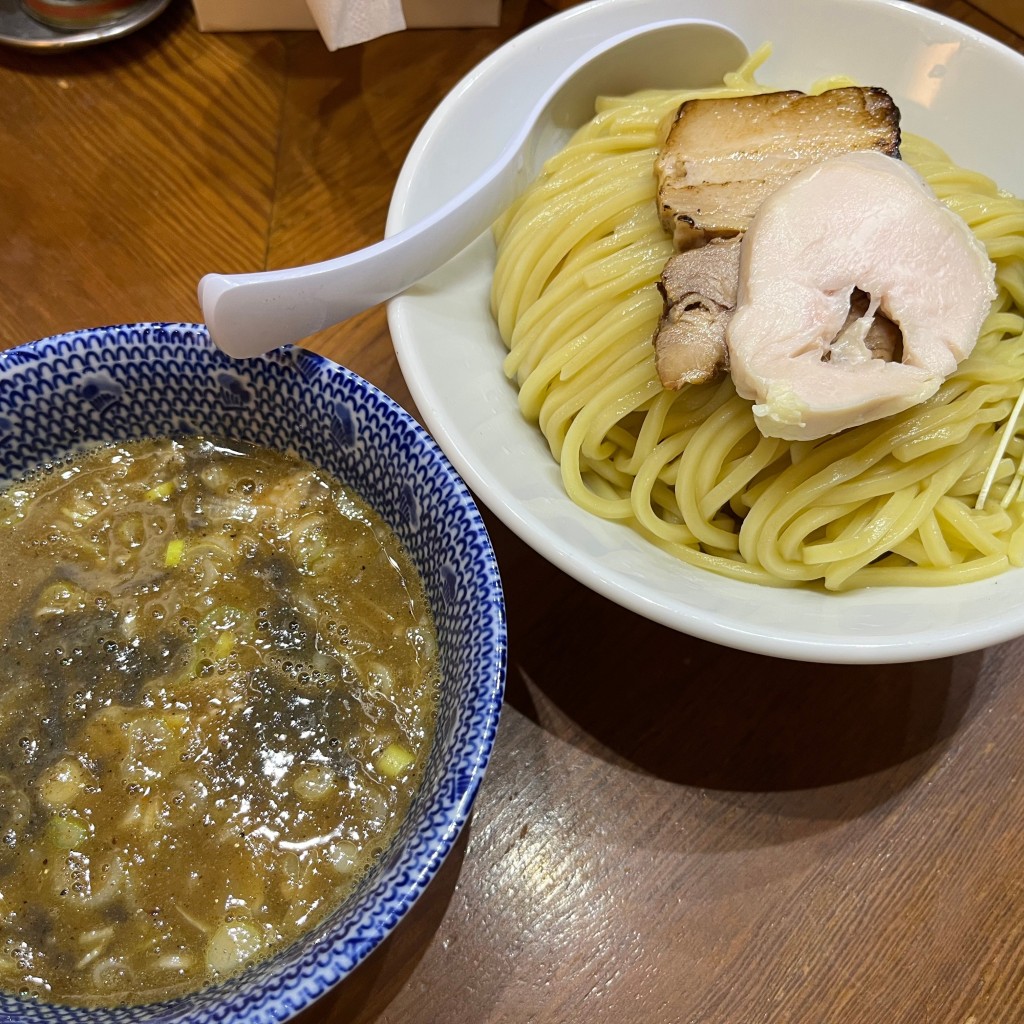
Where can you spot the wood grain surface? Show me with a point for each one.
(669, 832)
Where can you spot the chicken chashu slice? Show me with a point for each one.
(857, 220)
(723, 157)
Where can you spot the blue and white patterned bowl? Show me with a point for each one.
(146, 379)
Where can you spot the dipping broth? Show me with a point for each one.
(218, 683)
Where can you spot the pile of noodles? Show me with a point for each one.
(930, 496)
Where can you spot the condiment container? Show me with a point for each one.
(77, 14)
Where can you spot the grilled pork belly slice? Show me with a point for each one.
(866, 221)
(699, 289)
(723, 157)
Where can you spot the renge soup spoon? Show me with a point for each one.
(251, 313)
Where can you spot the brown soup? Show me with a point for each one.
(218, 682)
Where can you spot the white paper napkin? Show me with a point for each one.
(347, 22)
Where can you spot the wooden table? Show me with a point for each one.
(690, 835)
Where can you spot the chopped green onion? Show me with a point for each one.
(175, 549)
(224, 645)
(394, 760)
(62, 599)
(62, 782)
(161, 491)
(314, 784)
(67, 833)
(233, 945)
(343, 856)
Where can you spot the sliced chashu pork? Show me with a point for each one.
(866, 221)
(723, 157)
(699, 290)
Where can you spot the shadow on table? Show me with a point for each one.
(688, 712)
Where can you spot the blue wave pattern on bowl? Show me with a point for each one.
(141, 380)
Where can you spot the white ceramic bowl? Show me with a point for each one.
(139, 380)
(954, 85)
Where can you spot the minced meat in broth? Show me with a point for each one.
(217, 692)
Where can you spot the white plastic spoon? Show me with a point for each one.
(250, 314)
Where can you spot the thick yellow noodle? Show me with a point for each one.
(930, 496)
